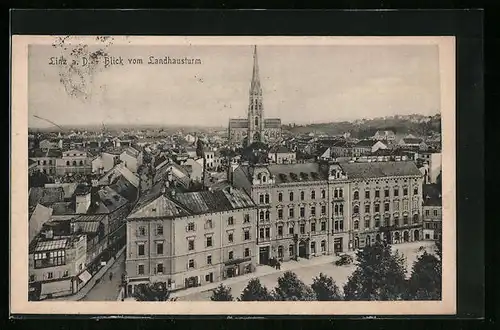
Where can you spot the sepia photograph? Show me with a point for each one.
(251, 170)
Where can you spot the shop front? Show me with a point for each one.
(237, 267)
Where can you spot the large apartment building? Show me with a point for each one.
(311, 209)
(187, 239)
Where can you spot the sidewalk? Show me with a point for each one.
(260, 271)
(92, 282)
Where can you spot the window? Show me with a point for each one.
(267, 215)
(415, 191)
(356, 209)
(377, 222)
(246, 234)
(230, 237)
(313, 194)
(209, 260)
(386, 220)
(190, 226)
(191, 263)
(323, 209)
(341, 225)
(261, 215)
(159, 248)
(81, 163)
(159, 268)
(396, 221)
(415, 218)
(356, 224)
(396, 192)
(302, 195)
(280, 197)
(302, 212)
(280, 251)
(356, 195)
(140, 249)
(386, 193)
(396, 206)
(313, 227)
(50, 275)
(230, 221)
(323, 225)
(290, 250)
(336, 225)
(159, 229)
(435, 212)
(280, 230)
(142, 231)
(313, 211)
(341, 209)
(386, 207)
(66, 273)
(313, 247)
(367, 223)
(323, 246)
(427, 212)
(405, 192)
(336, 193)
(302, 228)
(268, 232)
(247, 252)
(377, 207)
(341, 193)
(323, 193)
(231, 255)
(209, 223)
(405, 205)
(140, 270)
(209, 241)
(261, 233)
(291, 196)
(377, 193)
(32, 278)
(190, 244)
(280, 214)
(261, 199)
(67, 163)
(291, 212)
(290, 230)
(367, 208)
(405, 219)
(74, 163)
(267, 198)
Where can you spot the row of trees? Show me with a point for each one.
(380, 275)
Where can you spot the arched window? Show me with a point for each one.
(264, 178)
(44, 162)
(356, 209)
(323, 193)
(291, 196)
(256, 121)
(280, 197)
(267, 215)
(302, 195)
(67, 163)
(74, 163)
(259, 176)
(313, 194)
(280, 251)
(356, 195)
(332, 173)
(81, 163)
(356, 224)
(261, 215)
(415, 218)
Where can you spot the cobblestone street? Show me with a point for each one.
(107, 290)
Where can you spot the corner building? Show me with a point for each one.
(190, 239)
(312, 209)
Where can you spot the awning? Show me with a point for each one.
(85, 276)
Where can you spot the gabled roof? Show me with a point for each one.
(286, 173)
(365, 143)
(281, 149)
(431, 195)
(109, 201)
(380, 169)
(45, 196)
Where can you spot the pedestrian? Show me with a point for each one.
(110, 276)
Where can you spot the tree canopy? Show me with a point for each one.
(380, 275)
(291, 288)
(151, 292)
(254, 291)
(325, 288)
(425, 282)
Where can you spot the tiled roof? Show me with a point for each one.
(48, 245)
(126, 189)
(380, 169)
(238, 123)
(63, 208)
(431, 195)
(88, 226)
(69, 188)
(161, 206)
(365, 143)
(286, 173)
(89, 218)
(109, 202)
(45, 196)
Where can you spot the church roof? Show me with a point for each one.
(272, 123)
(238, 123)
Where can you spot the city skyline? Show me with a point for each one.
(404, 81)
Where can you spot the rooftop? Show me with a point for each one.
(285, 173)
(380, 169)
(432, 195)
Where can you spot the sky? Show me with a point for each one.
(301, 84)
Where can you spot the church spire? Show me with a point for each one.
(255, 85)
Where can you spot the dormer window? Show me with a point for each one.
(264, 178)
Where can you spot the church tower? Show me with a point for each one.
(255, 108)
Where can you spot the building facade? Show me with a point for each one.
(432, 212)
(190, 239)
(255, 128)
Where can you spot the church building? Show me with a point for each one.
(255, 128)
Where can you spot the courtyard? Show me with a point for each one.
(306, 270)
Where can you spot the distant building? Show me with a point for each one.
(412, 143)
(74, 161)
(190, 239)
(387, 136)
(254, 128)
(132, 158)
(367, 147)
(282, 155)
(432, 165)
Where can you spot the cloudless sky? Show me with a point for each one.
(301, 84)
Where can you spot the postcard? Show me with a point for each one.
(233, 175)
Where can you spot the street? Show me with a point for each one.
(339, 273)
(107, 290)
